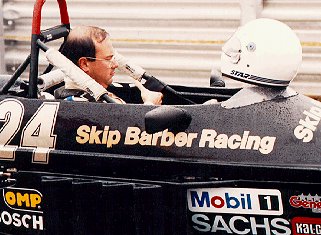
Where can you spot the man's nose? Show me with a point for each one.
(115, 64)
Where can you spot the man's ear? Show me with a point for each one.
(83, 64)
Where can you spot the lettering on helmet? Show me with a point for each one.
(240, 74)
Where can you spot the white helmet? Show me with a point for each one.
(262, 52)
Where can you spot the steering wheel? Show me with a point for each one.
(175, 97)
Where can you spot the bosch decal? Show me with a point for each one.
(208, 138)
(306, 226)
(240, 225)
(24, 208)
(306, 201)
(235, 201)
(308, 125)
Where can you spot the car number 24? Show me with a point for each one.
(37, 134)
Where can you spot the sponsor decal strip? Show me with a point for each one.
(235, 201)
(27, 206)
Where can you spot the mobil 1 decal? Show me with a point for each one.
(237, 211)
(21, 211)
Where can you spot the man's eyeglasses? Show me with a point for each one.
(110, 62)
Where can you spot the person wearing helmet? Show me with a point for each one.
(263, 52)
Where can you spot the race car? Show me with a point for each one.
(209, 160)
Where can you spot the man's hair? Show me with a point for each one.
(81, 42)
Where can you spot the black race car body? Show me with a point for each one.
(207, 161)
(247, 165)
(259, 126)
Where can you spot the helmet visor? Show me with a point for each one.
(232, 48)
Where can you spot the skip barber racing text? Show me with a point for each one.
(209, 138)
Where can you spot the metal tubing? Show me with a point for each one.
(36, 22)
(34, 61)
(15, 76)
(2, 48)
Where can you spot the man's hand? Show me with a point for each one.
(152, 97)
(149, 97)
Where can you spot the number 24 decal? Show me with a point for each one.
(37, 134)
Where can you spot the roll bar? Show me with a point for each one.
(36, 20)
(36, 34)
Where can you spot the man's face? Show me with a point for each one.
(103, 68)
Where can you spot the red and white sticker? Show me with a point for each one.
(306, 226)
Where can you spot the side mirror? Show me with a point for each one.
(167, 117)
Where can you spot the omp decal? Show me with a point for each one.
(240, 225)
(306, 226)
(208, 138)
(235, 201)
(37, 134)
(306, 202)
(308, 125)
(27, 204)
(23, 199)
